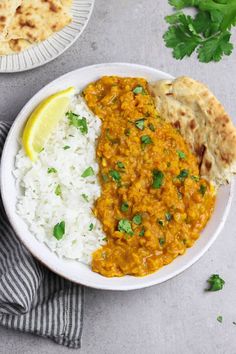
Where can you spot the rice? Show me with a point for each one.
(70, 153)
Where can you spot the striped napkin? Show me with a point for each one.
(33, 299)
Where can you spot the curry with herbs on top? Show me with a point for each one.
(153, 203)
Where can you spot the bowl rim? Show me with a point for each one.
(152, 282)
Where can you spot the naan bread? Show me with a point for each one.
(13, 46)
(7, 11)
(36, 20)
(203, 122)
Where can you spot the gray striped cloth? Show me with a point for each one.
(33, 299)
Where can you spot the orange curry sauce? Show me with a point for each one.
(153, 203)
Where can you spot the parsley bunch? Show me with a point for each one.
(208, 32)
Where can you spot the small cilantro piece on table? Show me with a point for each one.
(59, 230)
(220, 319)
(158, 179)
(215, 283)
(78, 122)
(88, 172)
(124, 225)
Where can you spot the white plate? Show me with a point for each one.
(77, 271)
(42, 53)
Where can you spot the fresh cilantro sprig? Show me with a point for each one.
(208, 32)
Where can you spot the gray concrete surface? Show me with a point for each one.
(177, 316)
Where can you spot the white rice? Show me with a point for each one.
(37, 202)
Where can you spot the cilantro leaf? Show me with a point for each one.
(214, 48)
(202, 189)
(137, 219)
(124, 207)
(124, 225)
(216, 283)
(168, 216)
(181, 154)
(88, 172)
(220, 319)
(59, 230)
(52, 170)
(85, 197)
(115, 175)
(121, 165)
(146, 140)
(140, 123)
(142, 232)
(158, 179)
(162, 241)
(58, 190)
(183, 175)
(78, 122)
(139, 90)
(66, 147)
(91, 227)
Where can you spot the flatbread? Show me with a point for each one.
(7, 11)
(203, 122)
(36, 20)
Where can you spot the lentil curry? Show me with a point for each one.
(153, 203)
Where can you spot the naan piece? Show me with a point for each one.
(7, 11)
(203, 122)
(13, 46)
(36, 20)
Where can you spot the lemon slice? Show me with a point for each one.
(43, 120)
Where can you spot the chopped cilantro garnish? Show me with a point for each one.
(151, 127)
(59, 230)
(91, 227)
(124, 207)
(85, 197)
(124, 225)
(88, 172)
(142, 232)
(183, 175)
(66, 147)
(161, 241)
(160, 222)
(120, 165)
(202, 189)
(137, 219)
(158, 179)
(145, 140)
(216, 283)
(115, 175)
(181, 154)
(139, 89)
(78, 122)
(105, 178)
(195, 178)
(104, 239)
(52, 170)
(58, 190)
(168, 216)
(127, 132)
(220, 319)
(140, 123)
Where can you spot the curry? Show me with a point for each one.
(153, 203)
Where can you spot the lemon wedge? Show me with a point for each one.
(43, 120)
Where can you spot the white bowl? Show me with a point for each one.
(73, 270)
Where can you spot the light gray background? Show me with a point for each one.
(177, 316)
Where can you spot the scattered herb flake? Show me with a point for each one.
(146, 140)
(115, 175)
(151, 127)
(91, 227)
(216, 283)
(127, 132)
(140, 124)
(162, 241)
(168, 216)
(66, 147)
(78, 122)
(124, 207)
(195, 178)
(220, 319)
(59, 230)
(181, 154)
(124, 225)
(139, 90)
(52, 170)
(58, 190)
(85, 197)
(142, 232)
(158, 179)
(160, 222)
(202, 189)
(88, 172)
(121, 165)
(137, 219)
(183, 175)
